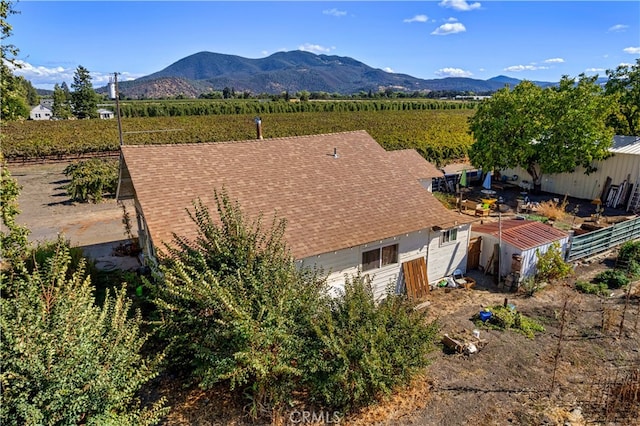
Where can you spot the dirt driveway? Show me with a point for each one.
(47, 211)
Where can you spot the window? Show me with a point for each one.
(449, 236)
(379, 257)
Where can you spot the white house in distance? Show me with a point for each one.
(105, 114)
(350, 205)
(40, 112)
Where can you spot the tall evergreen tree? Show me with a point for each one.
(61, 106)
(83, 97)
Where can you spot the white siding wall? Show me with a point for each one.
(579, 185)
(40, 113)
(441, 260)
(445, 258)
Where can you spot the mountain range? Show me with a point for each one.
(291, 72)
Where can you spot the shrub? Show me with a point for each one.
(237, 309)
(553, 210)
(551, 265)
(91, 179)
(629, 258)
(613, 278)
(507, 317)
(600, 289)
(365, 350)
(13, 237)
(65, 360)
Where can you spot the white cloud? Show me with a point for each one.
(453, 72)
(334, 12)
(460, 5)
(47, 77)
(417, 18)
(451, 28)
(554, 61)
(618, 28)
(625, 64)
(451, 19)
(632, 50)
(519, 68)
(315, 48)
(387, 69)
(595, 70)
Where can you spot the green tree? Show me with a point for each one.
(13, 96)
(83, 98)
(61, 107)
(551, 130)
(13, 237)
(624, 85)
(65, 360)
(236, 307)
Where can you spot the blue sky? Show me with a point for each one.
(539, 40)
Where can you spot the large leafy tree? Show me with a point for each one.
(551, 130)
(84, 99)
(624, 84)
(13, 94)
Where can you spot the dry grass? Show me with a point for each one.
(400, 406)
(553, 210)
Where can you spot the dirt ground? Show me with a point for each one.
(510, 380)
(47, 211)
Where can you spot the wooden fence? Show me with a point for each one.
(603, 239)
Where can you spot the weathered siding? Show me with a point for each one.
(441, 260)
(580, 185)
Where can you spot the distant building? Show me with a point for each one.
(105, 114)
(40, 112)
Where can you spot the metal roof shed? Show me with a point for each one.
(519, 240)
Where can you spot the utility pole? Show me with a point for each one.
(113, 92)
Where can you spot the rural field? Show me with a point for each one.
(574, 372)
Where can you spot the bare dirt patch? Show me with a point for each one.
(47, 211)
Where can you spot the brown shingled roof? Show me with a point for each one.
(523, 234)
(415, 164)
(329, 203)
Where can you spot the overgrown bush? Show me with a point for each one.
(551, 265)
(236, 308)
(612, 278)
(65, 360)
(366, 350)
(552, 210)
(507, 317)
(91, 179)
(13, 237)
(600, 289)
(629, 258)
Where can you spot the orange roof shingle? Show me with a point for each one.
(329, 203)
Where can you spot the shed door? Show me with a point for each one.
(473, 258)
(415, 278)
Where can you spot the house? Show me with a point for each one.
(518, 240)
(350, 205)
(105, 114)
(40, 112)
(617, 176)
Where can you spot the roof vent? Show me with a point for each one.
(335, 152)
